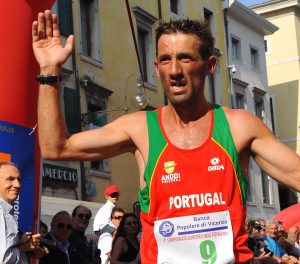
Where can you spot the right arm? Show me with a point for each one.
(54, 140)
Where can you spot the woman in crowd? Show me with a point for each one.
(125, 247)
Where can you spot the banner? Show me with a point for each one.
(17, 146)
(18, 100)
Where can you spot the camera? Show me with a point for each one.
(50, 244)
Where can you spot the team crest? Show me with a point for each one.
(169, 166)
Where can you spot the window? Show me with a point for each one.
(96, 97)
(89, 23)
(174, 6)
(254, 58)
(144, 22)
(250, 182)
(239, 88)
(236, 49)
(65, 17)
(272, 99)
(207, 15)
(266, 183)
(71, 110)
(240, 101)
(211, 89)
(259, 107)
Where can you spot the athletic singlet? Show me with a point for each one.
(193, 205)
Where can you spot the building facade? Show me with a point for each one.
(283, 66)
(249, 90)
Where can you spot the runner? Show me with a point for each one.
(192, 155)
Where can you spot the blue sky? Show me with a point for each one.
(251, 2)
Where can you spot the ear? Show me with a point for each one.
(156, 68)
(211, 65)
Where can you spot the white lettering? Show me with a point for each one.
(172, 177)
(187, 201)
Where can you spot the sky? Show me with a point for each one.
(251, 2)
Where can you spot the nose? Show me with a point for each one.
(17, 183)
(176, 70)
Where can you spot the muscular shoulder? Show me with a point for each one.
(245, 127)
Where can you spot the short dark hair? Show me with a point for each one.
(200, 29)
(54, 218)
(116, 209)
(79, 206)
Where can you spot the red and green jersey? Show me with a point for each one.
(196, 183)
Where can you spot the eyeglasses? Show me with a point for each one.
(132, 223)
(86, 216)
(117, 217)
(62, 225)
(114, 195)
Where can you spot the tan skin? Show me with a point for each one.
(121, 246)
(10, 186)
(186, 119)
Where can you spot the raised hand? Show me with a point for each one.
(46, 43)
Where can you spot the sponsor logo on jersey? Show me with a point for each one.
(169, 166)
(215, 165)
(171, 176)
(166, 229)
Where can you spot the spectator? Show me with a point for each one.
(263, 226)
(293, 234)
(125, 245)
(13, 244)
(61, 252)
(271, 239)
(107, 234)
(81, 216)
(43, 229)
(297, 246)
(103, 215)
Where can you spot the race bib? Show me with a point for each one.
(202, 238)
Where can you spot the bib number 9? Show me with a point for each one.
(208, 252)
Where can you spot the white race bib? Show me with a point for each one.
(202, 238)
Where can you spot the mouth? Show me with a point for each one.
(178, 86)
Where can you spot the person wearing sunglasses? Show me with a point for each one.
(81, 216)
(108, 233)
(62, 252)
(125, 246)
(103, 216)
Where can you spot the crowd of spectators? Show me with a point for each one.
(271, 243)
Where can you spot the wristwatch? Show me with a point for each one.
(42, 79)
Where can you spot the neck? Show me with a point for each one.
(186, 114)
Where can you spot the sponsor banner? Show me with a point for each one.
(17, 146)
(202, 238)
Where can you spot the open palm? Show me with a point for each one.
(46, 42)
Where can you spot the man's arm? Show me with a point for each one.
(54, 139)
(276, 159)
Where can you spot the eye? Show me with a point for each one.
(164, 59)
(184, 58)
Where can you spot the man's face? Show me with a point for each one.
(272, 230)
(181, 68)
(62, 227)
(10, 183)
(81, 219)
(113, 197)
(116, 218)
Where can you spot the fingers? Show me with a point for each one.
(45, 26)
(48, 18)
(41, 26)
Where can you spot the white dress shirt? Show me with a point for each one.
(9, 236)
(103, 215)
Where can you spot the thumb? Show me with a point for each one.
(70, 43)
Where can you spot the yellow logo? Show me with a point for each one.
(169, 166)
